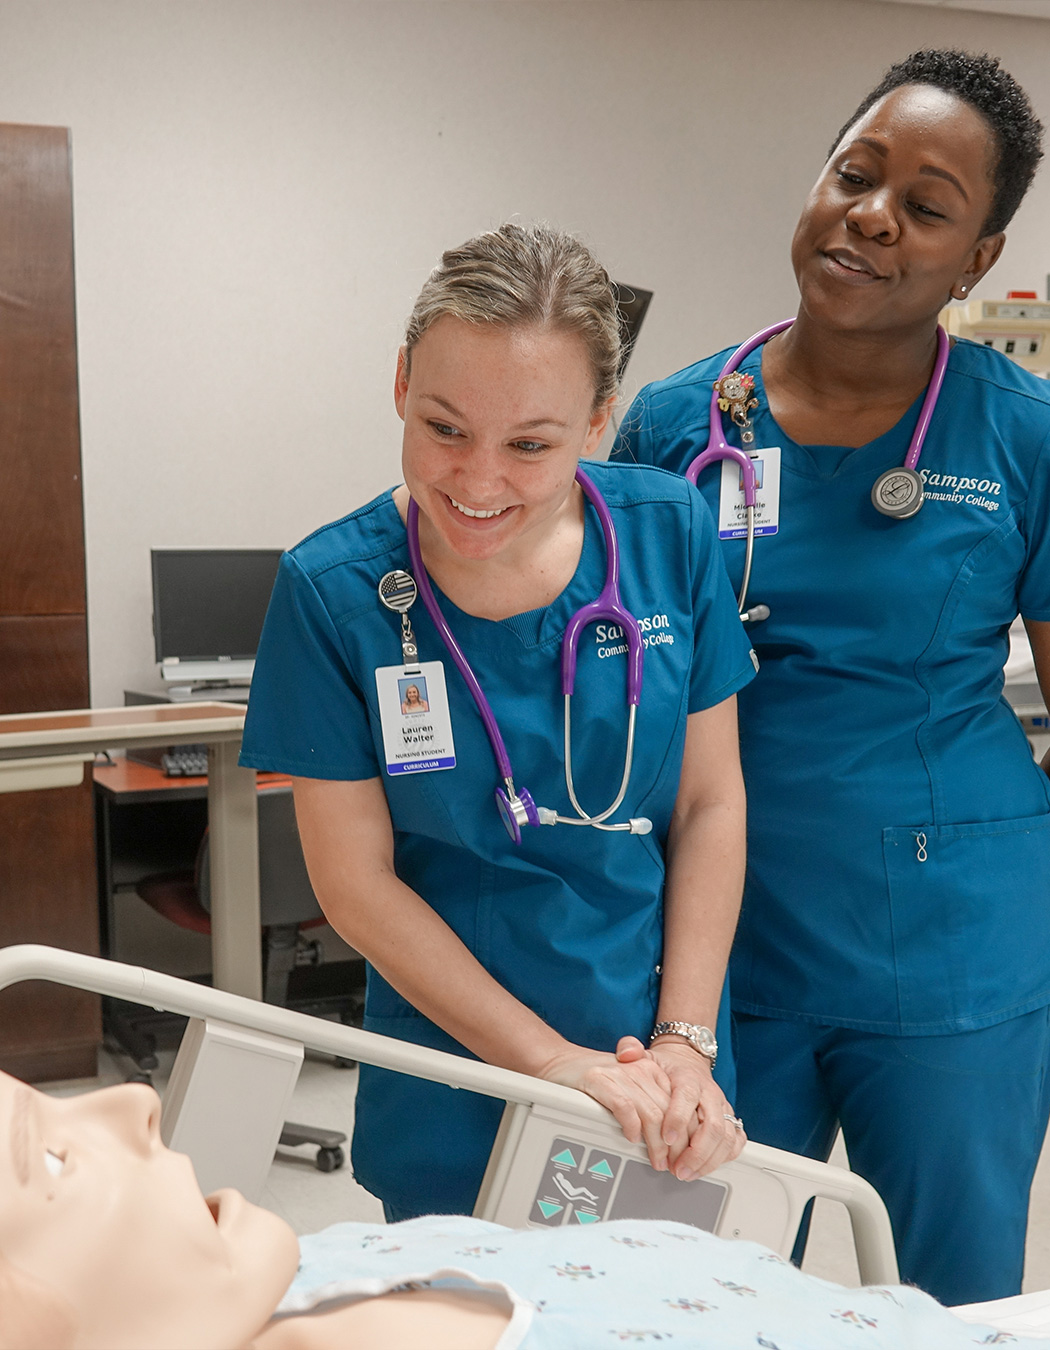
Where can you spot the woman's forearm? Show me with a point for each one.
(705, 878)
(346, 839)
(705, 869)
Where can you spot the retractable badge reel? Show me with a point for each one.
(413, 700)
(399, 592)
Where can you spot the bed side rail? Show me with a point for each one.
(559, 1156)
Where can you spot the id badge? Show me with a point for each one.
(732, 513)
(417, 724)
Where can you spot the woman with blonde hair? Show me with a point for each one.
(592, 956)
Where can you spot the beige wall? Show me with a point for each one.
(261, 186)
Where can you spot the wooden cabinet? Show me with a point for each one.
(47, 868)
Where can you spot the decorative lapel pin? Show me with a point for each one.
(735, 397)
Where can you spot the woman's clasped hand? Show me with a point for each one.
(664, 1097)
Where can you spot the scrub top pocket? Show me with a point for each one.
(970, 918)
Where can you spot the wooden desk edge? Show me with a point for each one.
(25, 735)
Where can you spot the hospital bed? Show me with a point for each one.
(559, 1157)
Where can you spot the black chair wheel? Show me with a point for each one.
(330, 1159)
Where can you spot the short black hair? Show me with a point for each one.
(996, 95)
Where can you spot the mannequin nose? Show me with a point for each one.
(130, 1112)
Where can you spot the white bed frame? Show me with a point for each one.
(239, 1060)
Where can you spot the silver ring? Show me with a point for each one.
(735, 1119)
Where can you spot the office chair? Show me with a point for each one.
(292, 975)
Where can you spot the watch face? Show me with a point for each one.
(707, 1040)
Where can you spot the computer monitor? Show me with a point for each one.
(208, 611)
(633, 303)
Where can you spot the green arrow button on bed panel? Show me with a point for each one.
(583, 1217)
(601, 1169)
(549, 1210)
(564, 1157)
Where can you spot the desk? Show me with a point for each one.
(42, 750)
(145, 823)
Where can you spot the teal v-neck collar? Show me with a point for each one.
(825, 462)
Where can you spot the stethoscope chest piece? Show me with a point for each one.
(517, 809)
(897, 493)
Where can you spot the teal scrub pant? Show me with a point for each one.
(948, 1130)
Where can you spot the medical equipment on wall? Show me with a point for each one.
(897, 492)
(398, 590)
(1018, 328)
(559, 1158)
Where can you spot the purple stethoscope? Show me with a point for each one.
(398, 591)
(897, 492)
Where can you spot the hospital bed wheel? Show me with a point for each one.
(330, 1159)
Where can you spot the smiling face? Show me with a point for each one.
(495, 421)
(94, 1206)
(894, 222)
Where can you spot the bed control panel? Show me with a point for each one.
(549, 1168)
(582, 1184)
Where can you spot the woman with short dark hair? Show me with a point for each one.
(891, 972)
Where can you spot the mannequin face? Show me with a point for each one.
(94, 1206)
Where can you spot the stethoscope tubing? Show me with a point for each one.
(718, 448)
(608, 604)
(519, 808)
(430, 603)
(929, 403)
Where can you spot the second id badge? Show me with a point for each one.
(417, 725)
(732, 513)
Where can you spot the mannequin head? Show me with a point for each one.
(106, 1241)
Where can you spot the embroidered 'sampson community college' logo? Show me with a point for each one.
(654, 628)
(953, 488)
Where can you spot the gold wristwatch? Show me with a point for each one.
(702, 1039)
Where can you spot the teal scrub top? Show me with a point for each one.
(898, 829)
(570, 921)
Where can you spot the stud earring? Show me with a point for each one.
(962, 291)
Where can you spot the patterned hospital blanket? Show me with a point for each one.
(629, 1283)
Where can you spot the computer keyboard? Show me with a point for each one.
(186, 761)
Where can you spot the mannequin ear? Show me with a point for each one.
(32, 1315)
